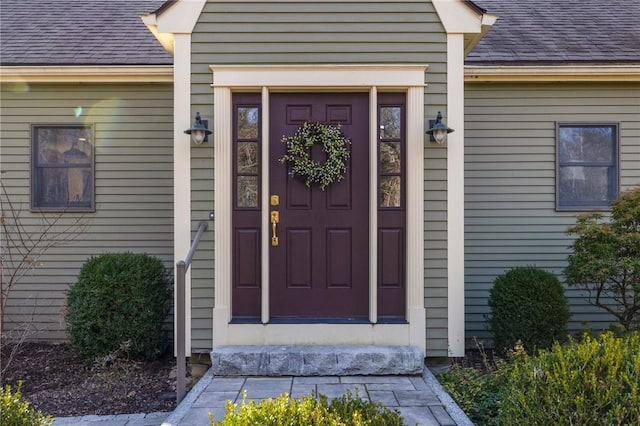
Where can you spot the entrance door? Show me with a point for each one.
(320, 267)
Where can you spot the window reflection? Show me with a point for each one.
(390, 157)
(247, 157)
(247, 191)
(247, 122)
(390, 191)
(62, 168)
(390, 122)
(587, 166)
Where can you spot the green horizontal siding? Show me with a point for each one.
(510, 180)
(133, 185)
(323, 32)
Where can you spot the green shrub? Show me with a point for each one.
(356, 411)
(527, 305)
(594, 382)
(14, 411)
(605, 259)
(346, 410)
(119, 300)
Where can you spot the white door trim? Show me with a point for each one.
(370, 78)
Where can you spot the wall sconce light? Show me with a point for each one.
(199, 131)
(438, 130)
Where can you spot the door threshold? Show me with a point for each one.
(323, 320)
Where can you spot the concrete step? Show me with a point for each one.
(316, 360)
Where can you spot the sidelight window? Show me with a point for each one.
(390, 155)
(247, 157)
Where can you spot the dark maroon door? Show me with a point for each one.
(320, 267)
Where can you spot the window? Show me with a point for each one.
(587, 166)
(62, 168)
(390, 156)
(247, 156)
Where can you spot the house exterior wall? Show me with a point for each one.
(510, 180)
(132, 126)
(348, 32)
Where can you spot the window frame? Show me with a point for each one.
(614, 187)
(36, 205)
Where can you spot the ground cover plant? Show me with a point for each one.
(476, 382)
(310, 411)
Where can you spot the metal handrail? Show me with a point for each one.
(182, 266)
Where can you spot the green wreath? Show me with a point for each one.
(334, 144)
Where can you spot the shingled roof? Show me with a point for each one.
(566, 31)
(78, 32)
(110, 32)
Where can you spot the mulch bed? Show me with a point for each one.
(58, 383)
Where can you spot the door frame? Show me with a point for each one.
(363, 78)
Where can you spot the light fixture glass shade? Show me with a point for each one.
(439, 135)
(197, 136)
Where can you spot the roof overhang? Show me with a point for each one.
(464, 17)
(457, 16)
(86, 74)
(173, 17)
(542, 73)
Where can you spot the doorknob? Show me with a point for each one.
(275, 218)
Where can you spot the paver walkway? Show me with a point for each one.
(419, 399)
(151, 419)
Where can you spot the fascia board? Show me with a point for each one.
(568, 73)
(86, 74)
(165, 39)
(457, 17)
(181, 17)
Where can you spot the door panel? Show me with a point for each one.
(320, 268)
(299, 257)
(339, 262)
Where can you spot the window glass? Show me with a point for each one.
(247, 123)
(390, 191)
(390, 167)
(247, 191)
(247, 156)
(586, 143)
(390, 157)
(390, 122)
(62, 168)
(587, 156)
